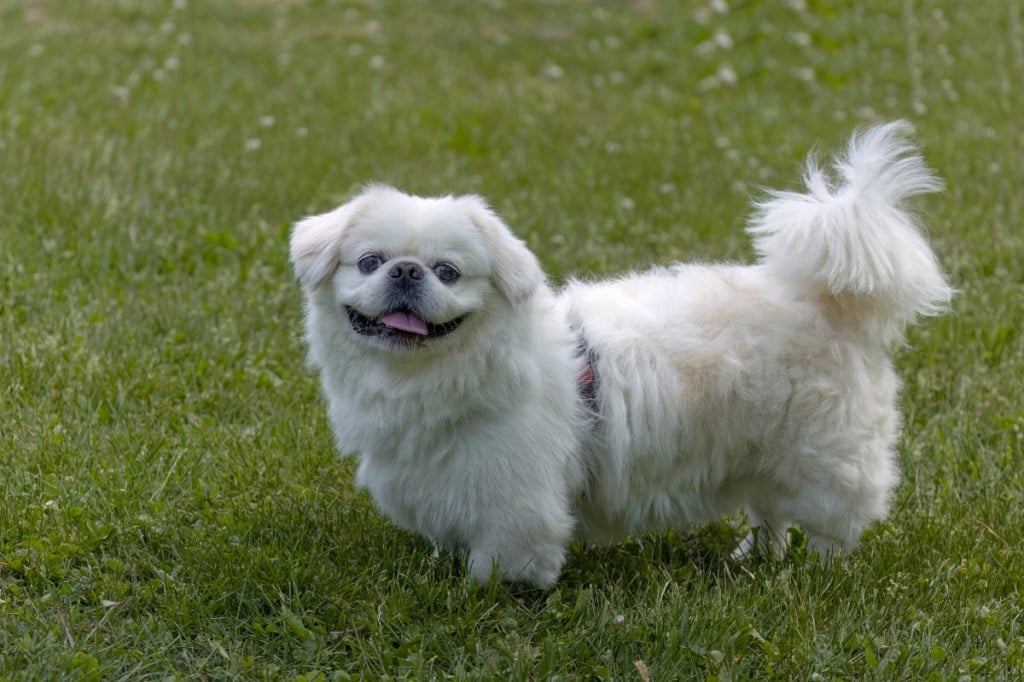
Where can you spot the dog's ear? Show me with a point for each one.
(316, 240)
(517, 273)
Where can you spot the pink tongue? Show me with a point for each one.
(405, 322)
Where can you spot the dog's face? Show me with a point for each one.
(407, 272)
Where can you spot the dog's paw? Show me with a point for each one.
(762, 541)
(530, 569)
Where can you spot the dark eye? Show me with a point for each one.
(369, 263)
(446, 272)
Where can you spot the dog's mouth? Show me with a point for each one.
(402, 326)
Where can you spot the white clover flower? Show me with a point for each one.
(553, 71)
(709, 83)
(804, 73)
(705, 48)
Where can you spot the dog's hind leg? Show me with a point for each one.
(834, 519)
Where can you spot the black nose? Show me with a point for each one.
(405, 272)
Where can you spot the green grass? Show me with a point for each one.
(171, 501)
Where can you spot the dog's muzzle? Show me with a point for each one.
(401, 326)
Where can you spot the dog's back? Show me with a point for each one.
(766, 386)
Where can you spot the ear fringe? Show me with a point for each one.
(517, 273)
(315, 241)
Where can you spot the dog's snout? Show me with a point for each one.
(405, 270)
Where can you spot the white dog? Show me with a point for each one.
(491, 414)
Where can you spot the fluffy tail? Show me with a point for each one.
(853, 237)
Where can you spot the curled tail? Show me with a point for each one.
(853, 237)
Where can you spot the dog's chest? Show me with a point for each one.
(419, 494)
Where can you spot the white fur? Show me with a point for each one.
(765, 387)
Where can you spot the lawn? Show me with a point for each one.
(172, 505)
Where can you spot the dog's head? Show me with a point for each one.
(408, 271)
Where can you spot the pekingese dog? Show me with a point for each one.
(494, 415)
